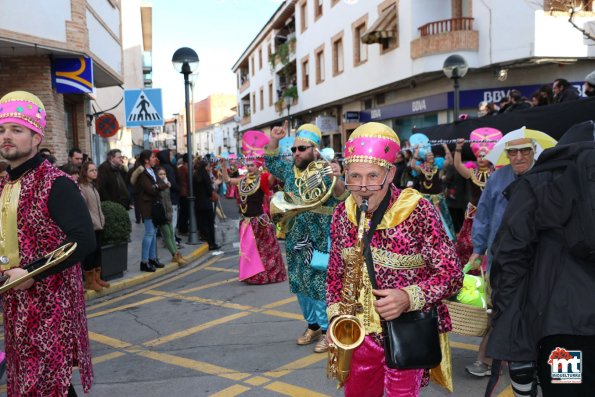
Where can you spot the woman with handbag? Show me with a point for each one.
(260, 256)
(166, 227)
(92, 263)
(409, 266)
(148, 191)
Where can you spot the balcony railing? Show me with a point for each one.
(446, 26)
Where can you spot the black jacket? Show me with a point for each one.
(539, 287)
(111, 184)
(203, 190)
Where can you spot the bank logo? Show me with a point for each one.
(567, 365)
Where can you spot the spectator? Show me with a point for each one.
(205, 197)
(488, 216)
(516, 101)
(487, 109)
(72, 170)
(182, 177)
(165, 157)
(148, 189)
(401, 166)
(542, 288)
(111, 179)
(564, 91)
(75, 157)
(92, 263)
(589, 85)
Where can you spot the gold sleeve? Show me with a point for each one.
(416, 297)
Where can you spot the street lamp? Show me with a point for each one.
(288, 99)
(185, 61)
(455, 67)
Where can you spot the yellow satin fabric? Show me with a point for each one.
(442, 374)
(9, 240)
(396, 214)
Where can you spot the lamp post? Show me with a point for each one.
(455, 67)
(288, 99)
(185, 61)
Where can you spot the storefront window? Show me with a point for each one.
(404, 126)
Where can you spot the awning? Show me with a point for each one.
(385, 27)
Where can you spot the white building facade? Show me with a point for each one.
(346, 62)
(219, 139)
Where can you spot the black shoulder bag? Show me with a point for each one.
(411, 340)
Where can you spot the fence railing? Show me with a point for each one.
(446, 25)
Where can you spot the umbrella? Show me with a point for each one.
(497, 155)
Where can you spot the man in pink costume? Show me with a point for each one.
(415, 263)
(44, 318)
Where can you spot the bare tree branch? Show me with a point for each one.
(586, 34)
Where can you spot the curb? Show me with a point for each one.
(122, 284)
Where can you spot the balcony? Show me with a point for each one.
(444, 36)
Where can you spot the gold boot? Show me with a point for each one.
(90, 282)
(179, 259)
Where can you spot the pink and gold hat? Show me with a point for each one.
(253, 143)
(24, 108)
(480, 149)
(374, 143)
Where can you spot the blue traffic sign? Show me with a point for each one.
(144, 108)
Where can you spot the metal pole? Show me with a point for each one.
(456, 111)
(288, 119)
(192, 233)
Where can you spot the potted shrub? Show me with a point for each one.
(116, 234)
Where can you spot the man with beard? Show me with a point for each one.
(44, 317)
(307, 243)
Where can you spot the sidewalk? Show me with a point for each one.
(133, 276)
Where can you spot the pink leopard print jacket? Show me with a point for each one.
(416, 255)
(45, 325)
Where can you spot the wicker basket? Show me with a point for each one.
(467, 320)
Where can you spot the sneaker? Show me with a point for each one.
(309, 337)
(479, 369)
(322, 345)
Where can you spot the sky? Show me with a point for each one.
(218, 30)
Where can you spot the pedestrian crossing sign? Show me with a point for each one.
(143, 108)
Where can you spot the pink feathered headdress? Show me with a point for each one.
(484, 134)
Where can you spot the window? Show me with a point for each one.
(260, 59)
(360, 50)
(253, 102)
(269, 52)
(270, 93)
(252, 65)
(337, 54)
(261, 98)
(317, 9)
(319, 56)
(305, 74)
(304, 15)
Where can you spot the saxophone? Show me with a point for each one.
(346, 331)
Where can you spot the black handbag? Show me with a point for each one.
(411, 341)
(158, 213)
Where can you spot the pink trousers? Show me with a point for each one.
(370, 377)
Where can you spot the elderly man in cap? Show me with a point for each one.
(589, 86)
(44, 317)
(415, 263)
(490, 209)
(307, 242)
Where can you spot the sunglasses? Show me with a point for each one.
(300, 148)
(514, 152)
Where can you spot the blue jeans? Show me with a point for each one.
(149, 248)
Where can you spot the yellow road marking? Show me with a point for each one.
(465, 346)
(295, 365)
(152, 286)
(277, 313)
(214, 302)
(280, 303)
(199, 366)
(107, 357)
(257, 381)
(231, 391)
(123, 307)
(201, 287)
(507, 392)
(221, 269)
(194, 330)
(291, 390)
(107, 340)
(228, 257)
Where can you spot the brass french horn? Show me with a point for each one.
(52, 259)
(313, 192)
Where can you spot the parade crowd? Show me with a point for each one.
(378, 243)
